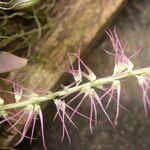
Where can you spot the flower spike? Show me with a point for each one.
(26, 108)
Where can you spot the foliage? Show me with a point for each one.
(20, 29)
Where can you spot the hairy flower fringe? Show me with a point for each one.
(30, 114)
(79, 73)
(20, 93)
(144, 82)
(122, 62)
(62, 114)
(94, 101)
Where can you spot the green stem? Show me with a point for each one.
(98, 82)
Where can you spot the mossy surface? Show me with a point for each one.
(21, 29)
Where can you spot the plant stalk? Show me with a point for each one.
(68, 91)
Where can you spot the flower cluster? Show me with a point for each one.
(28, 115)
